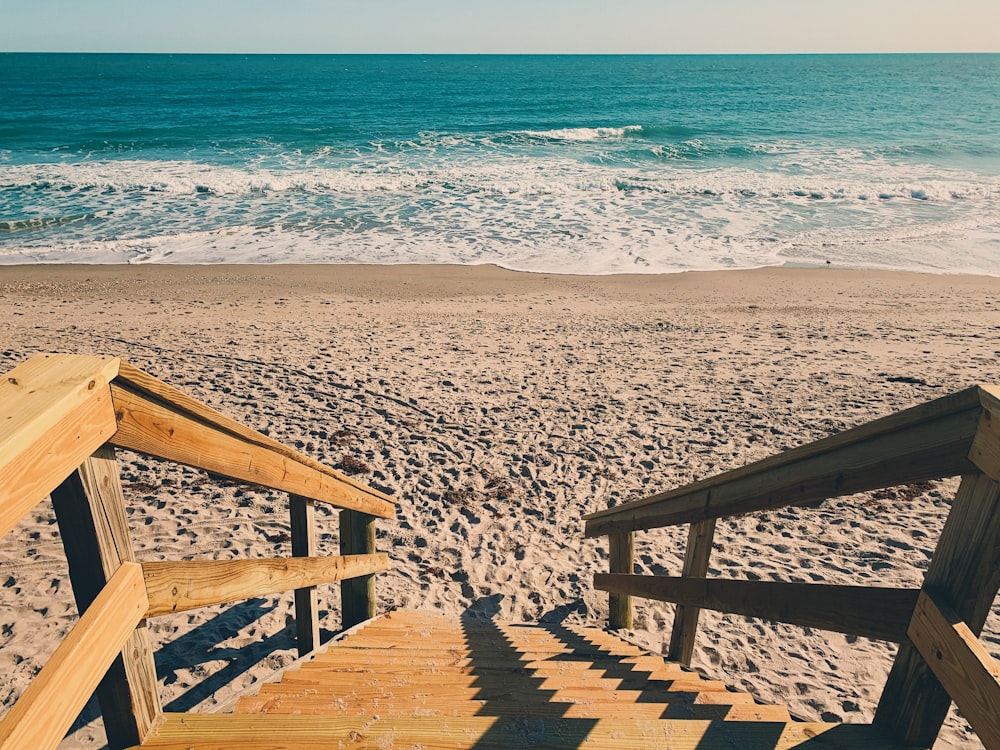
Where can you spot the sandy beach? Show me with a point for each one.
(498, 408)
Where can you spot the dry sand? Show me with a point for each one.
(498, 408)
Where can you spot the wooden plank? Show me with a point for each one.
(963, 570)
(303, 530)
(55, 410)
(696, 559)
(961, 663)
(880, 613)
(163, 430)
(277, 732)
(392, 665)
(621, 559)
(93, 524)
(47, 708)
(179, 586)
(926, 442)
(681, 707)
(985, 450)
(157, 390)
(357, 596)
(420, 682)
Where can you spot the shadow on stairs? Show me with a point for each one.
(416, 679)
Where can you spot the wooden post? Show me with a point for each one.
(90, 510)
(303, 528)
(696, 557)
(622, 560)
(962, 574)
(357, 595)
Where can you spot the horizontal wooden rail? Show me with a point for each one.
(966, 670)
(179, 586)
(880, 613)
(55, 410)
(925, 442)
(52, 701)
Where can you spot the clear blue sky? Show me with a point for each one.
(511, 26)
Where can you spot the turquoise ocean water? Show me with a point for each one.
(579, 164)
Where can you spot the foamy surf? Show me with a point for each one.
(588, 165)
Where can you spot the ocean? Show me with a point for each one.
(556, 164)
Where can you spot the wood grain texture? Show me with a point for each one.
(162, 429)
(962, 665)
(965, 572)
(880, 613)
(278, 732)
(926, 442)
(46, 710)
(985, 450)
(55, 410)
(621, 559)
(696, 560)
(142, 382)
(179, 586)
(357, 596)
(303, 529)
(93, 525)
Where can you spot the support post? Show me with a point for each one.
(963, 574)
(696, 558)
(622, 560)
(357, 595)
(303, 530)
(90, 511)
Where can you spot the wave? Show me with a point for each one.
(583, 134)
(20, 225)
(847, 179)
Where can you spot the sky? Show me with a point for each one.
(500, 26)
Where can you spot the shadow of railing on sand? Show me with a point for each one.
(200, 645)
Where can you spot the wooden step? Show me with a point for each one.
(307, 732)
(417, 680)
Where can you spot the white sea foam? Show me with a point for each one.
(552, 214)
(584, 134)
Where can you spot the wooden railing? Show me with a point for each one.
(61, 417)
(940, 658)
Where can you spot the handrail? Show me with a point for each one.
(929, 441)
(55, 410)
(937, 625)
(160, 420)
(60, 416)
(56, 696)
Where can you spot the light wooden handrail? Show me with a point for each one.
(929, 441)
(964, 667)
(47, 708)
(60, 418)
(55, 410)
(955, 435)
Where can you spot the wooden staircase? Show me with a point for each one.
(410, 679)
(413, 680)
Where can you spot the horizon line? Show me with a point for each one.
(499, 54)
